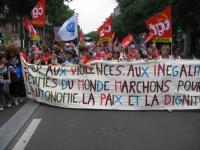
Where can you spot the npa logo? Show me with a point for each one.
(71, 28)
(160, 28)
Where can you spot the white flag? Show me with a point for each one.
(69, 30)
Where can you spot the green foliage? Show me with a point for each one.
(19, 7)
(57, 12)
(93, 35)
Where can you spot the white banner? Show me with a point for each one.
(152, 85)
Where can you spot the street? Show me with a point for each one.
(73, 129)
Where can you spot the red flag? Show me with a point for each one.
(38, 14)
(110, 42)
(29, 27)
(81, 36)
(126, 42)
(105, 30)
(149, 38)
(161, 25)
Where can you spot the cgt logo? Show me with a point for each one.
(160, 28)
(37, 11)
(106, 29)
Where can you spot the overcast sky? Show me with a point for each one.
(92, 13)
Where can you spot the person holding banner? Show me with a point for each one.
(54, 59)
(115, 55)
(150, 53)
(176, 53)
(155, 52)
(107, 54)
(165, 50)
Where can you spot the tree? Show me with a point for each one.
(93, 35)
(21, 8)
(57, 12)
(134, 13)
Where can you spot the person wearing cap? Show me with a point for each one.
(54, 59)
(37, 58)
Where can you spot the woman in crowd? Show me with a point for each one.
(150, 53)
(17, 88)
(176, 53)
(54, 59)
(46, 56)
(137, 55)
(155, 51)
(165, 50)
(5, 98)
(107, 54)
(37, 58)
(115, 55)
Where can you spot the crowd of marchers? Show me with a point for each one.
(12, 90)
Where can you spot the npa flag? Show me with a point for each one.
(126, 42)
(150, 36)
(69, 30)
(105, 30)
(161, 25)
(28, 26)
(38, 14)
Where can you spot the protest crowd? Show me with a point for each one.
(64, 52)
(12, 90)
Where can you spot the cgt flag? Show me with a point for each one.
(69, 30)
(126, 42)
(38, 14)
(161, 25)
(105, 30)
(28, 26)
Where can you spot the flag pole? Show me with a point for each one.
(79, 55)
(44, 32)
